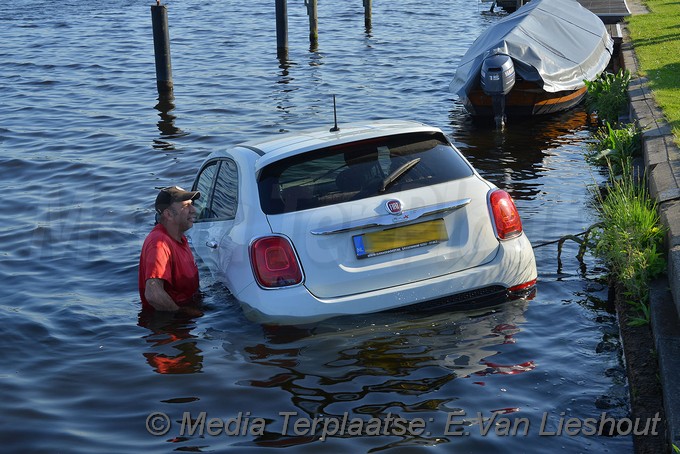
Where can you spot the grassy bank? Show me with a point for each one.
(656, 40)
(630, 238)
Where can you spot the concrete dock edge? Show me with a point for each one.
(662, 165)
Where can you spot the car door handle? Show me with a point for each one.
(211, 244)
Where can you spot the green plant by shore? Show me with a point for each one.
(615, 145)
(608, 95)
(656, 41)
(631, 238)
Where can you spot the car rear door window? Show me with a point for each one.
(358, 170)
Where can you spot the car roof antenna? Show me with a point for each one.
(335, 117)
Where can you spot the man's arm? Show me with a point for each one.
(155, 294)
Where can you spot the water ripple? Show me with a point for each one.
(86, 142)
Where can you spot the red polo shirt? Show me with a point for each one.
(165, 258)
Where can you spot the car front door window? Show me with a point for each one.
(218, 184)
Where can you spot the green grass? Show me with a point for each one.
(631, 239)
(656, 40)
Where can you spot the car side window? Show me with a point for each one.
(218, 184)
(204, 183)
(225, 196)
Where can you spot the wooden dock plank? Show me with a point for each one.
(610, 11)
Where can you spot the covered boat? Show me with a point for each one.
(534, 61)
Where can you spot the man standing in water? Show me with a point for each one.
(168, 275)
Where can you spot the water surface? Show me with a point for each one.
(84, 145)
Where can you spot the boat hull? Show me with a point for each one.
(524, 99)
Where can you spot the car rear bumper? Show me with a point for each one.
(513, 265)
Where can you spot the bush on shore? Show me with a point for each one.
(608, 95)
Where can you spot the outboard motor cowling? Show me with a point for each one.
(497, 78)
(498, 75)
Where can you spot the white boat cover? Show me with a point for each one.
(556, 43)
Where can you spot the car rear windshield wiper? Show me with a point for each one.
(394, 176)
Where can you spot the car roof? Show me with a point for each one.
(274, 148)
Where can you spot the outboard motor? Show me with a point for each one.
(497, 79)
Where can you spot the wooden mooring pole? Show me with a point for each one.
(161, 46)
(281, 28)
(367, 14)
(313, 23)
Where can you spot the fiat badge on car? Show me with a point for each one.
(393, 206)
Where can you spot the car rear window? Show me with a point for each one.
(358, 170)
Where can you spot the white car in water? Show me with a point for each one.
(386, 215)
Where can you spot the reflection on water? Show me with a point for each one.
(506, 157)
(174, 349)
(384, 363)
(166, 124)
(472, 364)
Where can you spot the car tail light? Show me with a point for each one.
(505, 215)
(274, 262)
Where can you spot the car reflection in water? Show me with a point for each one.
(369, 366)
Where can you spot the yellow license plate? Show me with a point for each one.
(400, 238)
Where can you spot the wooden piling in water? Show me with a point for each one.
(161, 45)
(313, 23)
(281, 28)
(367, 14)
